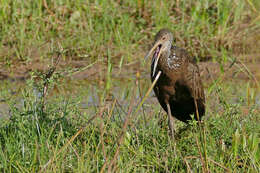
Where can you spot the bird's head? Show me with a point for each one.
(162, 45)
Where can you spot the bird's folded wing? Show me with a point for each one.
(193, 81)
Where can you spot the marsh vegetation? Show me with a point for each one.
(95, 111)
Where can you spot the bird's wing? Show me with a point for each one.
(193, 81)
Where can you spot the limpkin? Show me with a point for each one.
(179, 89)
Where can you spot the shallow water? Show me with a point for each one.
(89, 93)
(93, 88)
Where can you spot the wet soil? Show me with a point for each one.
(246, 68)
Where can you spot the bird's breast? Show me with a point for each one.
(166, 84)
(174, 61)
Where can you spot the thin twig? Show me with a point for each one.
(201, 129)
(124, 129)
(121, 136)
(102, 134)
(201, 158)
(49, 11)
(140, 94)
(218, 164)
(188, 166)
(250, 73)
(49, 74)
(127, 121)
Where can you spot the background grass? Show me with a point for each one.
(94, 126)
(89, 29)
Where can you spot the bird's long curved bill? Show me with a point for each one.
(157, 58)
(156, 63)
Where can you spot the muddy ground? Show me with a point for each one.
(246, 67)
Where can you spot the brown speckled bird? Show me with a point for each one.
(179, 89)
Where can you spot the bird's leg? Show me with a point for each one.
(170, 121)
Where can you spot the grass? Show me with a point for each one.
(54, 123)
(65, 136)
(90, 29)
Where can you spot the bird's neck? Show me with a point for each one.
(163, 60)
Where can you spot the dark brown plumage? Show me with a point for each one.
(179, 89)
